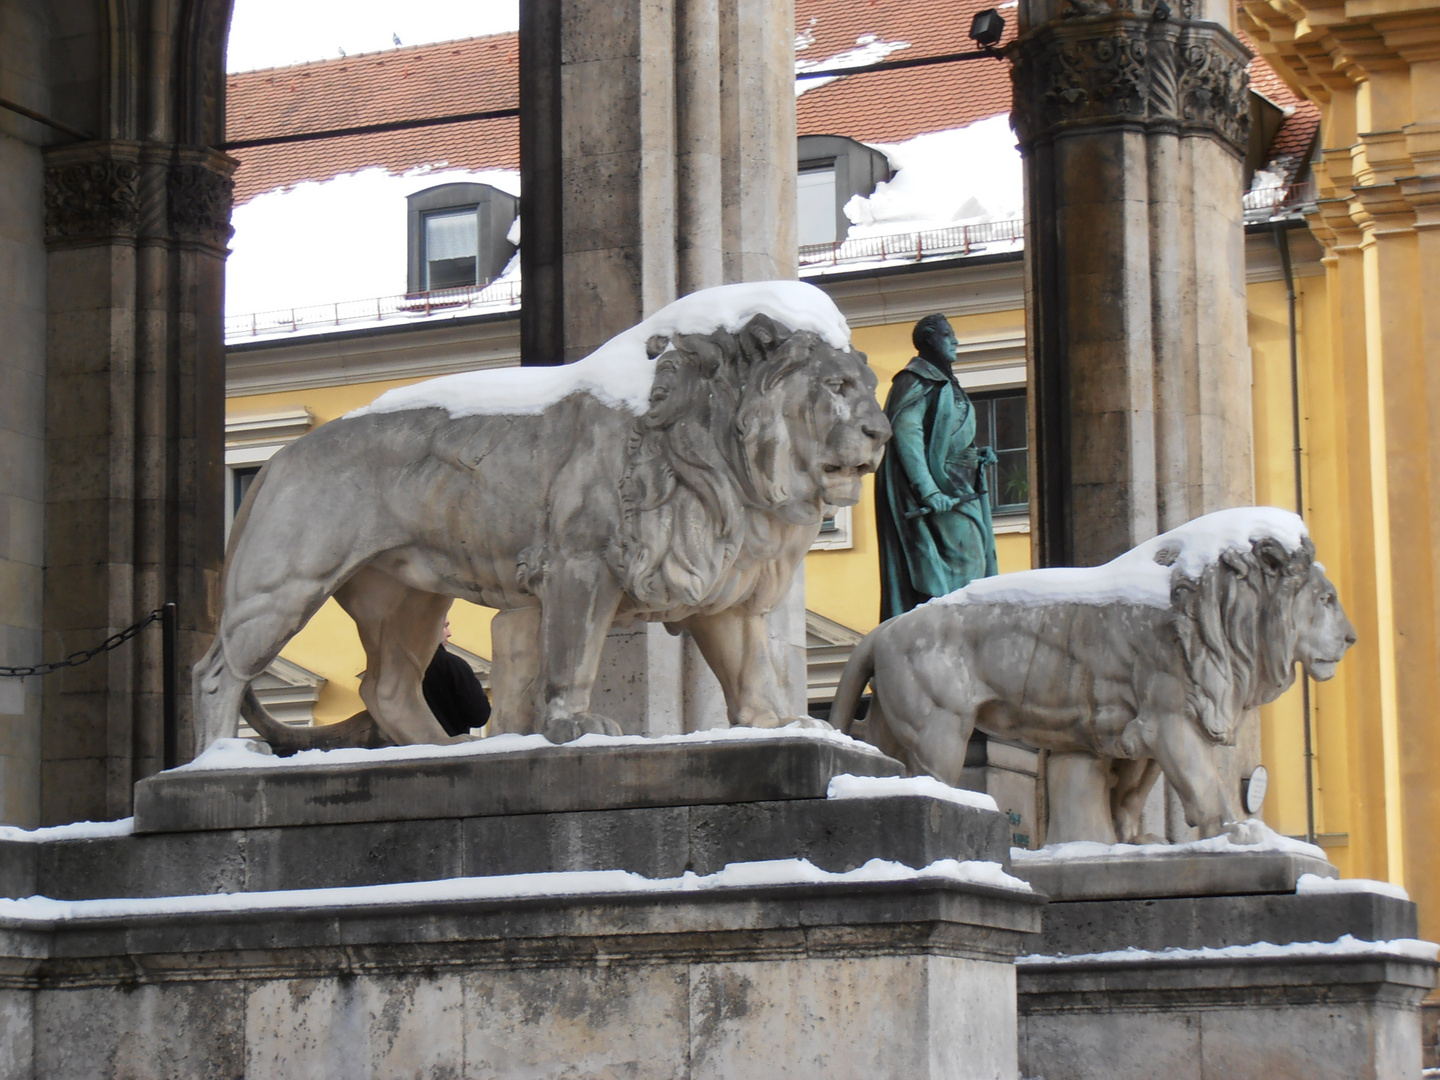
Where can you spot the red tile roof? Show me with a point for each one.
(474, 75)
(480, 74)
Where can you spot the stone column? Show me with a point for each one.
(134, 417)
(657, 158)
(1132, 121)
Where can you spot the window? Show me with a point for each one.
(816, 194)
(832, 170)
(1001, 424)
(459, 236)
(242, 477)
(451, 249)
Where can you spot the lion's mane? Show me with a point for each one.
(1237, 631)
(712, 448)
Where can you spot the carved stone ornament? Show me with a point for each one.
(200, 201)
(91, 200)
(1127, 68)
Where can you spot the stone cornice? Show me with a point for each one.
(1142, 70)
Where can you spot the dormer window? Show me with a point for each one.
(458, 236)
(833, 169)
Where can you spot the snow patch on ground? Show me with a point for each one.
(227, 754)
(847, 786)
(332, 241)
(76, 830)
(964, 176)
(1310, 884)
(1142, 575)
(619, 373)
(511, 887)
(1244, 837)
(869, 49)
(1399, 948)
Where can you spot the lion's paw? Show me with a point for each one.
(563, 729)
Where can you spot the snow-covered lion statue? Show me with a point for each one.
(1123, 671)
(679, 474)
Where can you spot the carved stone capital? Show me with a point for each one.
(92, 193)
(199, 193)
(1130, 69)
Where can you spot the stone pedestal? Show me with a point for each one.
(452, 922)
(1193, 964)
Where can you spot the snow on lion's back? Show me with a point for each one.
(619, 373)
(1136, 577)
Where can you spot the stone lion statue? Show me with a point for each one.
(1122, 671)
(679, 474)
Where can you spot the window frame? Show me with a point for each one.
(859, 170)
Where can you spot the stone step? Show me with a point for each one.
(483, 780)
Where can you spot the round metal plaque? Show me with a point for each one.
(1253, 792)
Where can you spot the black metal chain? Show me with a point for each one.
(114, 641)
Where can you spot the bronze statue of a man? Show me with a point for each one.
(936, 535)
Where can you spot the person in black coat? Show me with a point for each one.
(453, 692)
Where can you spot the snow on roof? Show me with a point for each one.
(964, 176)
(619, 373)
(1136, 577)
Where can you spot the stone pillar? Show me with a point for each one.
(135, 421)
(1133, 121)
(657, 158)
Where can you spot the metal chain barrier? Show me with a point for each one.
(114, 641)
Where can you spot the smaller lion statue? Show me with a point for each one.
(1123, 672)
(678, 474)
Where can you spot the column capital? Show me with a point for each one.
(92, 193)
(199, 191)
(1143, 70)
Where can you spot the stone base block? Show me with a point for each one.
(832, 981)
(1323, 984)
(1306, 1017)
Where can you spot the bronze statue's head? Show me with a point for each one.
(934, 339)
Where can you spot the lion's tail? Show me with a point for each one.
(359, 730)
(853, 680)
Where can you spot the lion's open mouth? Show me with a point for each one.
(848, 472)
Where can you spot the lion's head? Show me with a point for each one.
(764, 420)
(1247, 621)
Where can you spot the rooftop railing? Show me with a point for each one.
(912, 247)
(1278, 200)
(407, 307)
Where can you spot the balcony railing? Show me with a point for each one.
(476, 299)
(1278, 200)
